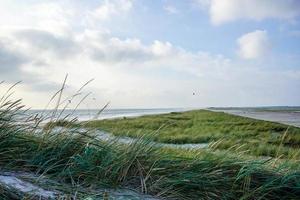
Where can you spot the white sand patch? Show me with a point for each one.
(17, 184)
(105, 136)
(108, 137)
(14, 182)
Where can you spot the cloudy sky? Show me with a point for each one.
(156, 53)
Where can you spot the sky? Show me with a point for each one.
(152, 54)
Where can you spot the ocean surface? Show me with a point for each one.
(290, 116)
(284, 115)
(84, 115)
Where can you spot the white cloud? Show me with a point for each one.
(162, 48)
(130, 73)
(120, 66)
(222, 11)
(50, 16)
(254, 45)
(110, 8)
(41, 47)
(171, 9)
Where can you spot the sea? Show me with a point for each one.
(93, 114)
(285, 115)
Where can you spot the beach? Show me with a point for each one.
(289, 117)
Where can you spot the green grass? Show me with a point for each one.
(80, 162)
(256, 137)
(75, 159)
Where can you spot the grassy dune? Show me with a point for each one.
(78, 162)
(256, 137)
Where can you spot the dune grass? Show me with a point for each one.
(255, 137)
(76, 159)
(79, 163)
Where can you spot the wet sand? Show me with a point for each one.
(285, 117)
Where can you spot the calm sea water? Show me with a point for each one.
(285, 116)
(83, 115)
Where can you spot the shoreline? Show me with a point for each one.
(282, 117)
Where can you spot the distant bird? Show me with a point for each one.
(70, 101)
(193, 93)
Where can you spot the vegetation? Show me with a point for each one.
(79, 162)
(255, 137)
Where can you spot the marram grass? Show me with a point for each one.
(74, 158)
(254, 137)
